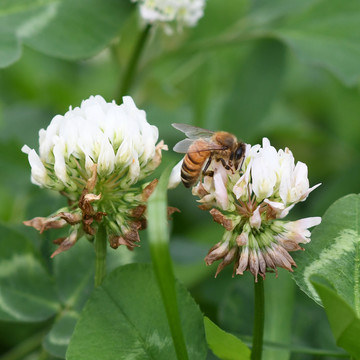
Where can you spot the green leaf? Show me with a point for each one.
(326, 35)
(57, 340)
(224, 345)
(263, 12)
(74, 274)
(10, 49)
(62, 28)
(214, 21)
(257, 83)
(81, 28)
(115, 322)
(19, 19)
(27, 291)
(344, 322)
(334, 252)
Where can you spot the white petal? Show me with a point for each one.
(263, 177)
(175, 176)
(106, 160)
(46, 138)
(134, 169)
(275, 205)
(240, 189)
(306, 222)
(38, 172)
(60, 165)
(221, 194)
(255, 219)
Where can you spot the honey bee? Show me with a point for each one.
(204, 145)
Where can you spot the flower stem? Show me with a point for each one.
(162, 262)
(132, 64)
(100, 254)
(259, 316)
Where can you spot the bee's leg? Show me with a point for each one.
(205, 172)
(207, 165)
(225, 165)
(209, 173)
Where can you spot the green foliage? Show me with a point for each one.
(27, 292)
(62, 28)
(326, 35)
(334, 252)
(334, 256)
(116, 323)
(344, 320)
(224, 345)
(258, 82)
(73, 289)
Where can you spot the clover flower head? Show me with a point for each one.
(250, 204)
(95, 155)
(182, 12)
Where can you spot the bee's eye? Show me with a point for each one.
(239, 153)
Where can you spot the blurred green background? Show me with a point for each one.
(254, 68)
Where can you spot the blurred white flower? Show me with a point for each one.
(183, 12)
(249, 203)
(175, 176)
(94, 155)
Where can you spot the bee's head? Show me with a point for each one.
(239, 155)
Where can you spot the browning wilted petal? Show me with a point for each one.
(200, 190)
(41, 223)
(156, 160)
(205, 207)
(129, 239)
(93, 179)
(148, 190)
(171, 210)
(66, 243)
(228, 259)
(221, 219)
(244, 261)
(254, 263)
(138, 211)
(92, 197)
(262, 264)
(71, 218)
(217, 252)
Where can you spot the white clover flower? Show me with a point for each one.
(249, 203)
(94, 155)
(182, 12)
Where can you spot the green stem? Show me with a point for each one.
(100, 254)
(259, 316)
(24, 348)
(162, 262)
(132, 64)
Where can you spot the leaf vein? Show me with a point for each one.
(140, 337)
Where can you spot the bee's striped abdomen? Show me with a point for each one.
(193, 163)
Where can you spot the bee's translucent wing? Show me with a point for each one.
(193, 132)
(183, 146)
